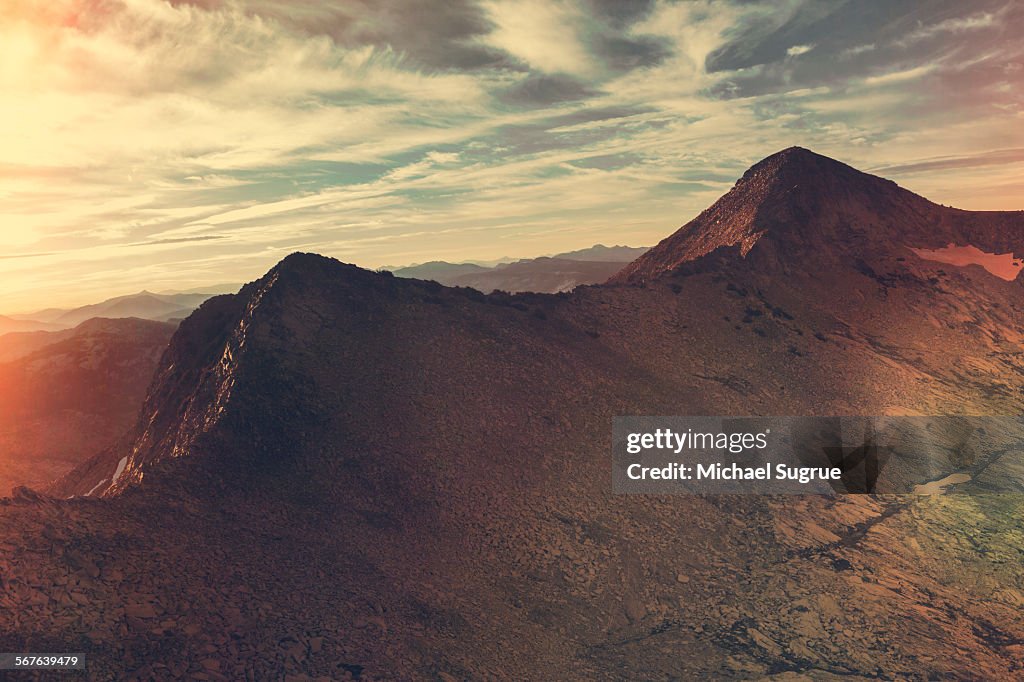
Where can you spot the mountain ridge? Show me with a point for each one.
(730, 249)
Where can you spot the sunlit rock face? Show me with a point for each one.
(1003, 265)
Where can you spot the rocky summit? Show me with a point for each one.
(807, 211)
(339, 474)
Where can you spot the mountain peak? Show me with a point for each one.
(791, 155)
(800, 208)
(300, 260)
(796, 153)
(311, 269)
(795, 164)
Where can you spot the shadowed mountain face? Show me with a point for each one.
(65, 395)
(339, 472)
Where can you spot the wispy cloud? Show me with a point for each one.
(973, 22)
(152, 144)
(991, 158)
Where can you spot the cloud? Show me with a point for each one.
(589, 39)
(991, 158)
(26, 255)
(541, 33)
(543, 89)
(622, 13)
(901, 76)
(621, 54)
(181, 240)
(432, 35)
(974, 22)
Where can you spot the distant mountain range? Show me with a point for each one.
(606, 254)
(68, 394)
(546, 274)
(14, 324)
(14, 345)
(143, 305)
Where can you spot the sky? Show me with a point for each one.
(147, 144)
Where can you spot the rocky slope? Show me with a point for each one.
(342, 474)
(806, 210)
